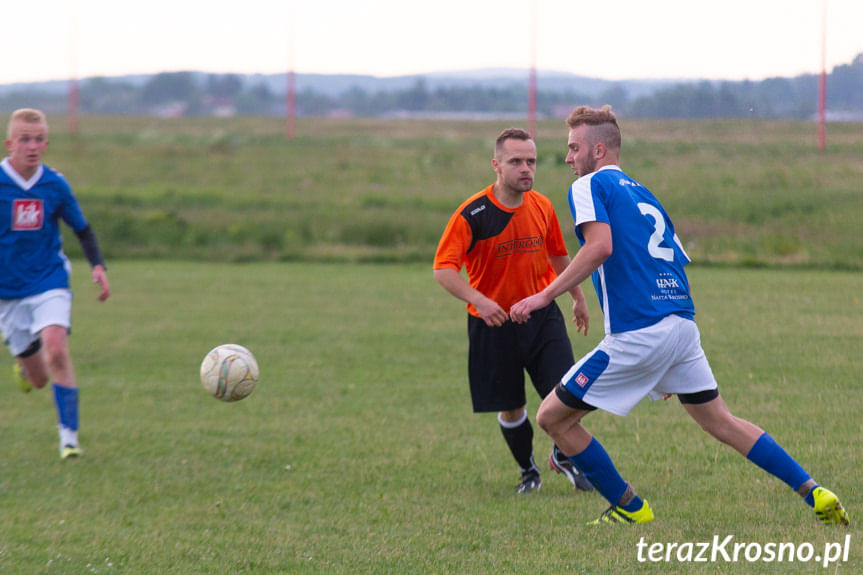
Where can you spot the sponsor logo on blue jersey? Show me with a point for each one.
(27, 215)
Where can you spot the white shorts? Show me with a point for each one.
(653, 361)
(21, 320)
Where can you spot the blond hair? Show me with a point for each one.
(602, 122)
(26, 115)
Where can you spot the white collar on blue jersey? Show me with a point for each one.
(16, 177)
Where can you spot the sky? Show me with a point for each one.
(609, 39)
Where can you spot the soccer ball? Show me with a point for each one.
(229, 372)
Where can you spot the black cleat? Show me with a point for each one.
(530, 481)
(561, 464)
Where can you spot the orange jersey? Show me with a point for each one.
(505, 251)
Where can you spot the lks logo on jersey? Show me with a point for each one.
(27, 214)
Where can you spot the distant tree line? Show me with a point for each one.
(194, 94)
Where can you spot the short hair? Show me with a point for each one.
(510, 134)
(603, 123)
(27, 115)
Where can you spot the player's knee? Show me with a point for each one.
(36, 374)
(543, 420)
(723, 427)
(39, 380)
(549, 420)
(710, 412)
(560, 411)
(57, 358)
(512, 415)
(713, 428)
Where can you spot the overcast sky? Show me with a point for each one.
(612, 39)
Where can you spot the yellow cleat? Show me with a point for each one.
(828, 509)
(70, 451)
(616, 514)
(18, 375)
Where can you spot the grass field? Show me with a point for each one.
(358, 452)
(751, 193)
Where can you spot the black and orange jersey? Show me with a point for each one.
(505, 251)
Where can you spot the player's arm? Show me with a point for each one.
(580, 314)
(596, 249)
(559, 265)
(453, 282)
(90, 246)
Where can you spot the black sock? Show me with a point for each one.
(520, 442)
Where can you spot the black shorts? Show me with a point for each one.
(499, 356)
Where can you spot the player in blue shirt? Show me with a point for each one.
(652, 345)
(35, 299)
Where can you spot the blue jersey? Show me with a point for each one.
(643, 280)
(31, 251)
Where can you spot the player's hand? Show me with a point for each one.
(580, 315)
(520, 312)
(100, 277)
(491, 313)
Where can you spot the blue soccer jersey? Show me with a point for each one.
(644, 279)
(31, 251)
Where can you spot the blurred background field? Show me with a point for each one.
(752, 193)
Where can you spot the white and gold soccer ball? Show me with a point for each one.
(229, 372)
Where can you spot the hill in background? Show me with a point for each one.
(479, 93)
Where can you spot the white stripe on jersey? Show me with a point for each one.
(680, 245)
(606, 316)
(584, 208)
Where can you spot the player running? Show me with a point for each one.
(35, 299)
(652, 345)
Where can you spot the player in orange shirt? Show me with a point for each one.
(508, 239)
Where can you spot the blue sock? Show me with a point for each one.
(66, 399)
(597, 466)
(769, 456)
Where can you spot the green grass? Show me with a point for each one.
(358, 452)
(753, 193)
